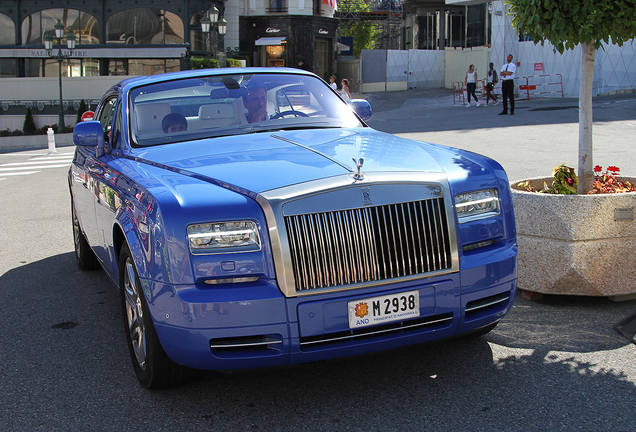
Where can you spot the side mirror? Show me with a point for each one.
(362, 107)
(89, 134)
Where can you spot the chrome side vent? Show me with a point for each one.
(339, 248)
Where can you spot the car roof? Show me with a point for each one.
(151, 79)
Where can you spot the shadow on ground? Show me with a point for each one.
(530, 373)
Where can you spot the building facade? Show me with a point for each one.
(112, 37)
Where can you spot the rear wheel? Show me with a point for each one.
(86, 258)
(151, 364)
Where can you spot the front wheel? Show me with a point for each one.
(151, 364)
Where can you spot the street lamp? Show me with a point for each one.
(60, 57)
(207, 24)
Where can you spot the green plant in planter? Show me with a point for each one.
(564, 182)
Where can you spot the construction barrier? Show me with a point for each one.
(459, 89)
(545, 85)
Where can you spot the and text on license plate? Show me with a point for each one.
(383, 309)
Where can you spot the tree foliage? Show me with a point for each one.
(362, 31)
(82, 109)
(567, 23)
(28, 127)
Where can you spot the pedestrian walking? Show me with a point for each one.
(508, 73)
(471, 84)
(492, 79)
(344, 92)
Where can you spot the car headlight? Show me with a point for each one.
(477, 205)
(223, 237)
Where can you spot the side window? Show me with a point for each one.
(105, 117)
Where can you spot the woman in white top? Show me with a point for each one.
(344, 92)
(471, 84)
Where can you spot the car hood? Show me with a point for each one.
(264, 161)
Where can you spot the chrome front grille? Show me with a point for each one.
(339, 248)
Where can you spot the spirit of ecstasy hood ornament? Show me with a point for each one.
(358, 175)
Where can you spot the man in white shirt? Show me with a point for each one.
(507, 74)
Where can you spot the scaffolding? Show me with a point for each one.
(385, 15)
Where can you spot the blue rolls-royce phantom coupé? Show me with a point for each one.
(250, 218)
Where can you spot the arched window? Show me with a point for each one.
(7, 30)
(84, 25)
(145, 26)
(8, 66)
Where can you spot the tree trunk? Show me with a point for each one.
(586, 164)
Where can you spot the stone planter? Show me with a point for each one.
(576, 244)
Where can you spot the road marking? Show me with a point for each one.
(18, 173)
(34, 164)
(32, 167)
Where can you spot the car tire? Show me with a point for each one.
(86, 258)
(153, 367)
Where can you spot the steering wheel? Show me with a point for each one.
(290, 112)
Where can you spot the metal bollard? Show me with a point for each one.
(51, 138)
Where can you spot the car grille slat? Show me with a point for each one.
(345, 247)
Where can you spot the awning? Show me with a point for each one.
(271, 41)
(342, 47)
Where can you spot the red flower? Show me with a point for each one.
(598, 168)
(613, 169)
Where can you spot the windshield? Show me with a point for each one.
(221, 105)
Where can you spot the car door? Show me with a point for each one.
(108, 199)
(85, 186)
(90, 171)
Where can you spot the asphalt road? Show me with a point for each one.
(555, 364)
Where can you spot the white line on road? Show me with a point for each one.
(33, 167)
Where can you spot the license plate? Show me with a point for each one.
(384, 309)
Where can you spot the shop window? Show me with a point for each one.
(144, 26)
(84, 25)
(273, 55)
(142, 66)
(71, 67)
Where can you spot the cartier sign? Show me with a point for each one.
(272, 30)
